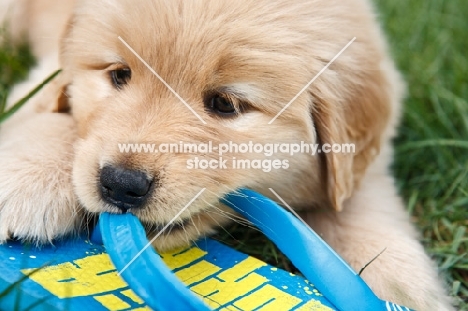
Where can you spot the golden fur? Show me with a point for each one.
(261, 51)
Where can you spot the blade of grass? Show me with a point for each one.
(25, 99)
(38, 303)
(3, 100)
(11, 287)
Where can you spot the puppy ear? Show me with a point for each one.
(63, 105)
(337, 168)
(358, 119)
(53, 97)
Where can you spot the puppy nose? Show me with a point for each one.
(124, 188)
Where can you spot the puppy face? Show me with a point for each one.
(236, 65)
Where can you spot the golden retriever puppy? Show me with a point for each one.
(214, 71)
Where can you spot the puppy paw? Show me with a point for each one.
(408, 277)
(37, 202)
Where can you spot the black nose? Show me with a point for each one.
(124, 188)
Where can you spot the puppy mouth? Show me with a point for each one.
(151, 226)
(123, 190)
(124, 207)
(167, 228)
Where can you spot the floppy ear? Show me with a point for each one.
(63, 104)
(360, 118)
(53, 97)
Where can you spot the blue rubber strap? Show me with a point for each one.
(148, 276)
(307, 251)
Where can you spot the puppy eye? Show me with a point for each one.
(120, 77)
(221, 106)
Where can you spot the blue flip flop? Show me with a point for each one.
(206, 276)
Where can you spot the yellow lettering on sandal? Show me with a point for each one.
(197, 272)
(268, 298)
(314, 305)
(130, 294)
(112, 302)
(231, 283)
(95, 275)
(176, 260)
(83, 277)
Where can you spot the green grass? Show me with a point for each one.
(427, 39)
(14, 63)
